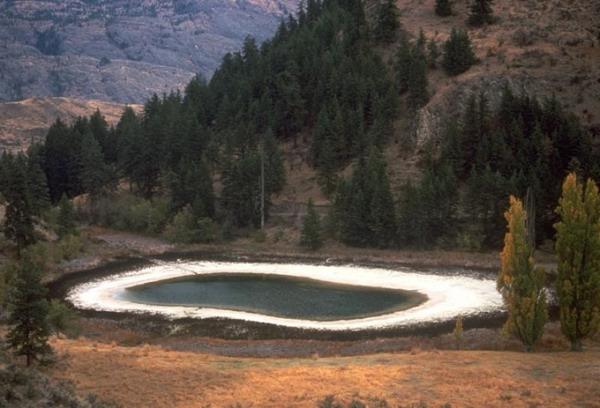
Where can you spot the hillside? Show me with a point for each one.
(121, 50)
(540, 47)
(28, 120)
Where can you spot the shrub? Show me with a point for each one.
(183, 229)
(69, 247)
(62, 319)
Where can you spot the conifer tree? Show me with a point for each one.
(95, 174)
(28, 334)
(418, 95)
(434, 53)
(403, 63)
(443, 8)
(66, 217)
(481, 13)
(520, 282)
(38, 183)
(387, 23)
(578, 250)
(18, 219)
(311, 236)
(458, 53)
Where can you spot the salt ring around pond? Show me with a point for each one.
(445, 297)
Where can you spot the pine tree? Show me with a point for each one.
(418, 95)
(311, 236)
(434, 53)
(18, 220)
(520, 282)
(481, 13)
(387, 23)
(382, 218)
(403, 63)
(443, 8)
(95, 174)
(66, 217)
(578, 250)
(38, 183)
(28, 334)
(458, 53)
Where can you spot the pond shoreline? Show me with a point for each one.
(241, 329)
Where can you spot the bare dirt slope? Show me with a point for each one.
(28, 120)
(151, 376)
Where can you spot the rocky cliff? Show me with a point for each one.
(122, 50)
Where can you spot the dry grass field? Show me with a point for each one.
(150, 376)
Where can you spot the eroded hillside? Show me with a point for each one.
(122, 50)
(28, 120)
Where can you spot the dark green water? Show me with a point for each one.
(275, 296)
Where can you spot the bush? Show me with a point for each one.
(69, 247)
(130, 213)
(186, 229)
(62, 319)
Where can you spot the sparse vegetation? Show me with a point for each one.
(311, 236)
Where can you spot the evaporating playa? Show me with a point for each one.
(448, 296)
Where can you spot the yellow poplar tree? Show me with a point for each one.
(520, 282)
(578, 251)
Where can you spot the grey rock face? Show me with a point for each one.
(122, 50)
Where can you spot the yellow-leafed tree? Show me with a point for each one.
(578, 250)
(520, 282)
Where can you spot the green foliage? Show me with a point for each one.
(18, 220)
(427, 211)
(62, 319)
(311, 236)
(443, 8)
(520, 282)
(66, 217)
(523, 145)
(387, 24)
(28, 334)
(95, 174)
(458, 53)
(37, 181)
(481, 13)
(411, 70)
(578, 250)
(131, 213)
(363, 210)
(186, 228)
(70, 246)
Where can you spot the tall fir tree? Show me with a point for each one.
(458, 53)
(311, 235)
(443, 8)
(578, 250)
(18, 219)
(28, 333)
(387, 24)
(481, 13)
(38, 183)
(520, 282)
(66, 217)
(95, 173)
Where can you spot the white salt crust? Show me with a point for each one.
(448, 296)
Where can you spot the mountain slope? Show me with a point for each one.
(122, 50)
(28, 120)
